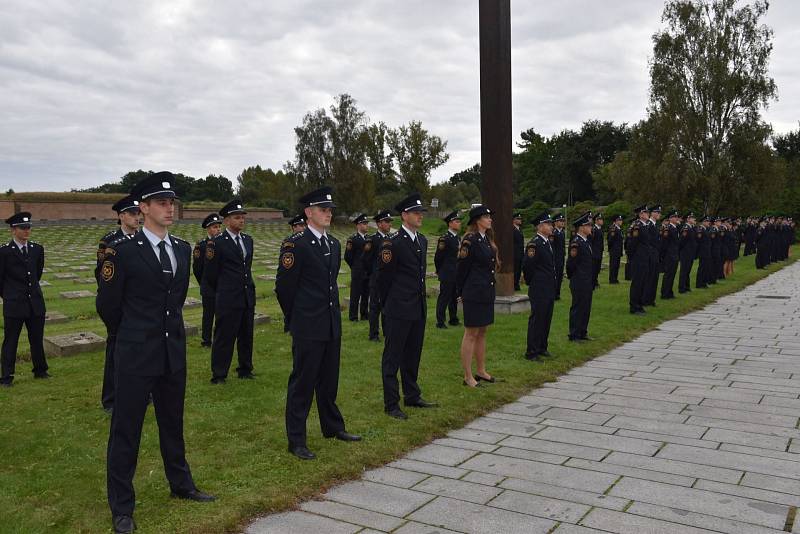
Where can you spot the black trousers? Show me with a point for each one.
(651, 286)
(107, 395)
(209, 308)
(359, 296)
(315, 369)
(377, 321)
(684, 284)
(539, 324)
(12, 328)
(232, 326)
(639, 277)
(613, 268)
(130, 405)
(447, 301)
(517, 272)
(596, 265)
(402, 351)
(628, 269)
(668, 281)
(702, 272)
(559, 277)
(580, 309)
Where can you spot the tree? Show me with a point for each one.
(213, 187)
(709, 81)
(417, 153)
(379, 158)
(332, 150)
(468, 176)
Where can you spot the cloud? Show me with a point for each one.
(91, 90)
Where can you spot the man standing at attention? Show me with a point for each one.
(580, 273)
(445, 261)
(540, 275)
(383, 220)
(519, 249)
(212, 224)
(559, 241)
(359, 282)
(229, 258)
(308, 294)
(21, 267)
(597, 249)
(401, 285)
(143, 285)
(614, 239)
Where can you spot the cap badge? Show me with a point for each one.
(165, 184)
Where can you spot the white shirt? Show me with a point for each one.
(319, 236)
(241, 241)
(155, 240)
(452, 232)
(21, 245)
(411, 233)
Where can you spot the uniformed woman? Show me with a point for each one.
(477, 262)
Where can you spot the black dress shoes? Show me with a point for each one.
(343, 435)
(441, 326)
(43, 375)
(6, 384)
(218, 380)
(490, 380)
(454, 323)
(193, 495)
(247, 376)
(533, 357)
(397, 413)
(205, 344)
(123, 524)
(546, 354)
(422, 403)
(302, 452)
(375, 339)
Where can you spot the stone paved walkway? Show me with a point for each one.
(690, 428)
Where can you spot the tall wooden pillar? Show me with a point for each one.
(496, 136)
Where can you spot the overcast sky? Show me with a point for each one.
(91, 89)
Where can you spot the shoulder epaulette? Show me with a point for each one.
(119, 241)
(180, 239)
(393, 235)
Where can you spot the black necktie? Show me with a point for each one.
(239, 246)
(25, 252)
(166, 265)
(324, 241)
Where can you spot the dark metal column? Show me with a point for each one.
(496, 137)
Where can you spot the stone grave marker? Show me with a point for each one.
(70, 344)
(261, 318)
(65, 276)
(192, 302)
(84, 281)
(54, 317)
(190, 329)
(77, 294)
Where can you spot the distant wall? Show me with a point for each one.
(72, 211)
(253, 214)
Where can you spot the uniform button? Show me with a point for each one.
(29, 273)
(492, 283)
(167, 312)
(330, 287)
(330, 303)
(166, 334)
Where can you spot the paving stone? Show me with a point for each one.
(748, 439)
(750, 407)
(593, 439)
(566, 528)
(566, 449)
(458, 489)
(568, 386)
(700, 501)
(772, 483)
(299, 523)
(539, 400)
(734, 460)
(504, 427)
(566, 494)
(413, 527)
(351, 514)
(642, 414)
(646, 474)
(478, 519)
(486, 479)
(652, 396)
(525, 419)
(641, 404)
(562, 394)
(668, 439)
(675, 467)
(526, 503)
(192, 302)
(576, 416)
(65, 276)
(728, 424)
(394, 477)
(438, 454)
(378, 497)
(749, 493)
(621, 523)
(541, 472)
(463, 444)
(684, 517)
(54, 317)
(481, 436)
(521, 408)
(657, 427)
(531, 455)
(430, 469)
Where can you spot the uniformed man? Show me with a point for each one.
(762, 244)
(559, 242)
(229, 260)
(21, 267)
(445, 260)
(716, 253)
(212, 224)
(628, 261)
(297, 223)
(308, 294)
(669, 255)
(143, 286)
(654, 268)
(539, 270)
(703, 253)
(519, 248)
(370, 258)
(597, 248)
(128, 219)
(614, 240)
(687, 252)
(580, 274)
(401, 285)
(750, 236)
(638, 246)
(359, 281)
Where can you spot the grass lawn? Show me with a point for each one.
(53, 433)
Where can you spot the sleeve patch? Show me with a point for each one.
(441, 245)
(209, 253)
(196, 252)
(463, 252)
(386, 256)
(107, 271)
(635, 232)
(531, 252)
(367, 246)
(349, 245)
(573, 251)
(287, 260)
